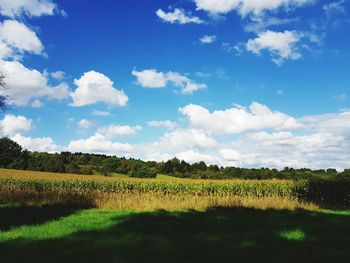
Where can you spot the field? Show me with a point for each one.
(74, 218)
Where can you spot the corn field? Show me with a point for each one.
(99, 191)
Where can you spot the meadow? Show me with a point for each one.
(75, 218)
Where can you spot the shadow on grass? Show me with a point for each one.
(12, 216)
(217, 235)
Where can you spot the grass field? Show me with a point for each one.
(61, 234)
(51, 218)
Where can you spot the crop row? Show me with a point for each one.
(335, 192)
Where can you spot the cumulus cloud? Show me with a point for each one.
(280, 149)
(84, 124)
(45, 144)
(280, 45)
(151, 78)
(99, 143)
(12, 125)
(246, 7)
(193, 156)
(103, 141)
(178, 16)
(16, 39)
(336, 123)
(94, 87)
(254, 136)
(188, 139)
(59, 75)
(167, 124)
(28, 85)
(237, 119)
(15, 8)
(207, 39)
(113, 131)
(15, 126)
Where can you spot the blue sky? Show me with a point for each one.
(233, 82)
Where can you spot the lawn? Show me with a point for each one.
(63, 234)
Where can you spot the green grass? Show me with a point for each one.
(66, 234)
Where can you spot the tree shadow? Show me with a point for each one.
(12, 216)
(217, 235)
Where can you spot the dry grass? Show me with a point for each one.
(26, 194)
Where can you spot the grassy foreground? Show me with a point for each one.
(53, 218)
(61, 234)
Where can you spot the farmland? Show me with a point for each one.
(67, 217)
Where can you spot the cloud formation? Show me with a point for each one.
(247, 7)
(178, 16)
(16, 39)
(207, 39)
(15, 126)
(28, 85)
(15, 8)
(280, 45)
(151, 78)
(167, 124)
(94, 87)
(238, 119)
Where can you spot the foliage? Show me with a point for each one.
(142, 171)
(323, 192)
(10, 152)
(12, 156)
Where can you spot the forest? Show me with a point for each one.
(13, 156)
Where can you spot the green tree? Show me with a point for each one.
(10, 151)
(140, 170)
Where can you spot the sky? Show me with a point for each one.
(243, 83)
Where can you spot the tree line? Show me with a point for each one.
(13, 156)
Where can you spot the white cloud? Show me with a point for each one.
(178, 16)
(25, 85)
(237, 119)
(280, 45)
(16, 39)
(14, 8)
(207, 39)
(101, 113)
(230, 154)
(59, 75)
(260, 23)
(45, 144)
(336, 123)
(334, 8)
(99, 143)
(246, 7)
(12, 125)
(167, 124)
(187, 139)
(113, 131)
(280, 149)
(151, 78)
(15, 126)
(84, 124)
(252, 137)
(193, 156)
(94, 87)
(36, 104)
